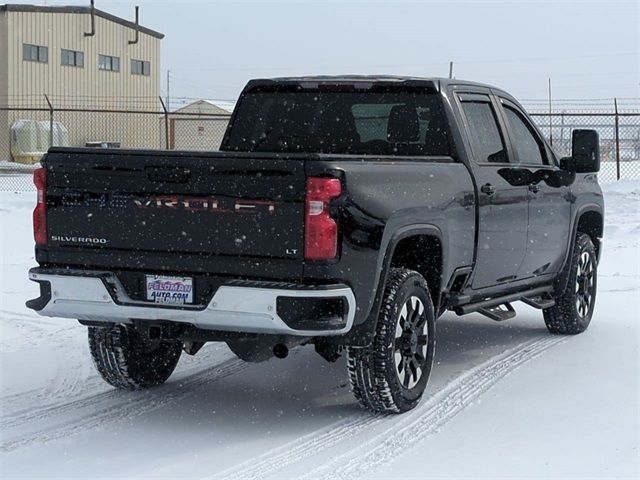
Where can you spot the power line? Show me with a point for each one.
(410, 65)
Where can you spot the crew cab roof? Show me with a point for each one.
(435, 82)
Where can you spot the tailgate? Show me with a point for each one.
(219, 203)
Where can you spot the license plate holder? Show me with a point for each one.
(169, 290)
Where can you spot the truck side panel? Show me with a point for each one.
(385, 197)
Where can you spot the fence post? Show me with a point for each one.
(50, 120)
(617, 136)
(550, 117)
(166, 124)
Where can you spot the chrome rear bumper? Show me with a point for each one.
(98, 296)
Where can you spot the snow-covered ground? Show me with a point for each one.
(505, 399)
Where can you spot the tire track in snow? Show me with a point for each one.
(100, 409)
(22, 406)
(430, 415)
(29, 404)
(299, 449)
(404, 435)
(29, 316)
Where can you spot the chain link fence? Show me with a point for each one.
(30, 126)
(618, 124)
(26, 132)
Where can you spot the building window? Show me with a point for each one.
(106, 62)
(35, 53)
(139, 67)
(72, 58)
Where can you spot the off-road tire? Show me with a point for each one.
(127, 362)
(566, 316)
(375, 381)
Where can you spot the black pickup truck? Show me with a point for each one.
(344, 212)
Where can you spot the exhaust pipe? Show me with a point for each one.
(280, 351)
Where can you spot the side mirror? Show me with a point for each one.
(566, 163)
(585, 152)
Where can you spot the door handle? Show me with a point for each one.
(488, 189)
(534, 187)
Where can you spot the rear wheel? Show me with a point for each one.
(127, 361)
(391, 374)
(574, 305)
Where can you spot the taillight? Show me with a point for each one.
(40, 212)
(320, 230)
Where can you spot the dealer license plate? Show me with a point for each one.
(169, 290)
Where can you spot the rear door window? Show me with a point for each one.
(485, 136)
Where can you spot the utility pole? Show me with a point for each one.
(617, 137)
(451, 69)
(168, 87)
(550, 127)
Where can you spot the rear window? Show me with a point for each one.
(349, 122)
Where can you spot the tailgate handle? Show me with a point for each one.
(168, 174)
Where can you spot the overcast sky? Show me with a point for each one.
(589, 49)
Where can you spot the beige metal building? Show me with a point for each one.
(79, 57)
(199, 125)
